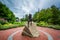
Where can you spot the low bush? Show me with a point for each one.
(54, 26)
(9, 25)
(45, 24)
(42, 23)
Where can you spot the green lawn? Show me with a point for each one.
(10, 25)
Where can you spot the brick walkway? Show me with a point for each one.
(4, 34)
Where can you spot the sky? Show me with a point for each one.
(22, 7)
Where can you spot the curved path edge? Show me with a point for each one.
(47, 34)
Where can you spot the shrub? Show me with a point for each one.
(54, 26)
(10, 25)
(42, 23)
(45, 24)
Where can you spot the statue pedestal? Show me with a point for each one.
(30, 31)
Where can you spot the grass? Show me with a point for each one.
(9, 25)
(44, 24)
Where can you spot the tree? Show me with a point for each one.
(6, 13)
(17, 19)
(50, 15)
(56, 14)
(26, 17)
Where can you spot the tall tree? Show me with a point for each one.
(50, 15)
(6, 13)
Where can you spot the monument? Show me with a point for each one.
(29, 20)
(30, 28)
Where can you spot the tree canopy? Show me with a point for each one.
(6, 13)
(50, 15)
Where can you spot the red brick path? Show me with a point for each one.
(54, 33)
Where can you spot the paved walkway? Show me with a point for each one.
(15, 34)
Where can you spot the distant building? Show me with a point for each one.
(3, 19)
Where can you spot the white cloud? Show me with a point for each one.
(25, 9)
(22, 7)
(41, 4)
(18, 15)
(28, 6)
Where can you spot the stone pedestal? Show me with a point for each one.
(30, 31)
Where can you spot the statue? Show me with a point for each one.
(30, 28)
(29, 20)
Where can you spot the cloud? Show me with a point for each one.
(22, 7)
(27, 6)
(18, 15)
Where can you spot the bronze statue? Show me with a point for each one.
(30, 20)
(30, 30)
